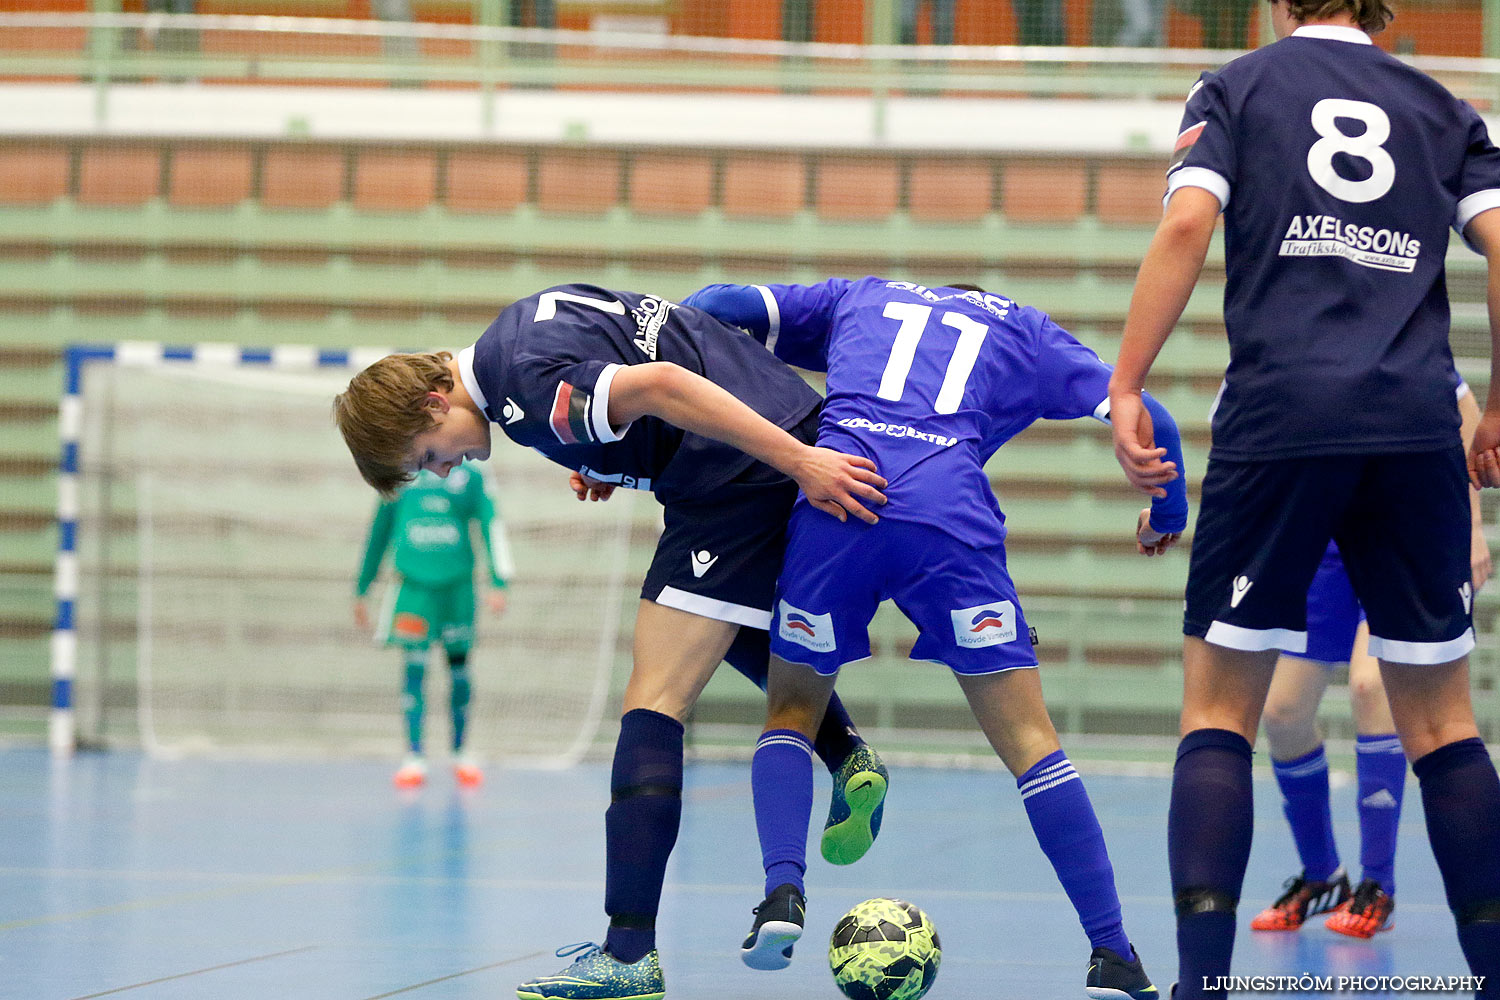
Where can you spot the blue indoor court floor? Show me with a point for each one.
(316, 880)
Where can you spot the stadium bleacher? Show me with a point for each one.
(295, 239)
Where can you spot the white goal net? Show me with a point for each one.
(220, 526)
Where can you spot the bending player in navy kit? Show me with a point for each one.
(1337, 634)
(928, 383)
(1338, 169)
(624, 389)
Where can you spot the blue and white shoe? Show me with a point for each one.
(858, 802)
(597, 975)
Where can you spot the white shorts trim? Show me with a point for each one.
(707, 607)
(1255, 640)
(1396, 651)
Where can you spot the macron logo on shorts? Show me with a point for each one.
(806, 629)
(984, 624)
(1239, 589)
(1466, 594)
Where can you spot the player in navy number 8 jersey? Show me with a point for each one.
(1338, 170)
(928, 383)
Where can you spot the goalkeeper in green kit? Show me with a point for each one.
(429, 524)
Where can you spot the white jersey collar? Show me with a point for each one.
(471, 384)
(1334, 33)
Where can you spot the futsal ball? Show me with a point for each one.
(884, 949)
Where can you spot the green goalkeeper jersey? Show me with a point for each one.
(428, 523)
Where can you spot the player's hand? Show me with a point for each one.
(496, 601)
(1149, 541)
(361, 614)
(589, 488)
(835, 483)
(1135, 445)
(1484, 452)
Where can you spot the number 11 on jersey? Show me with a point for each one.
(913, 318)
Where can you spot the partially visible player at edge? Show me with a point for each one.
(928, 383)
(632, 390)
(1338, 169)
(1337, 634)
(432, 602)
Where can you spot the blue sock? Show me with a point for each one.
(750, 654)
(1461, 796)
(781, 780)
(1209, 825)
(1062, 817)
(640, 828)
(1304, 793)
(1381, 766)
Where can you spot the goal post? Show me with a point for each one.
(210, 527)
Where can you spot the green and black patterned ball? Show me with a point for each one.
(884, 949)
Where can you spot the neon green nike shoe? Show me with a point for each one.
(597, 975)
(858, 802)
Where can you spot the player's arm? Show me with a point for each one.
(496, 545)
(1166, 279)
(1161, 525)
(1479, 546)
(834, 482)
(792, 321)
(381, 526)
(1483, 233)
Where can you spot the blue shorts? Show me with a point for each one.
(1402, 524)
(836, 574)
(1333, 612)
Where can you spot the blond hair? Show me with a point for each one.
(1371, 15)
(385, 407)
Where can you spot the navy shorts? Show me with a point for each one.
(720, 553)
(1402, 525)
(1333, 612)
(836, 574)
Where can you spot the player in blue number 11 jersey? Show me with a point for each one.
(928, 383)
(1338, 170)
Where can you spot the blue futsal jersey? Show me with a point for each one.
(928, 383)
(1339, 169)
(543, 369)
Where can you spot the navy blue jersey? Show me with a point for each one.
(926, 382)
(1340, 170)
(542, 371)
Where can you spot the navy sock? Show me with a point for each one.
(640, 828)
(836, 738)
(1380, 765)
(459, 695)
(1062, 817)
(1209, 825)
(750, 654)
(1461, 796)
(1304, 794)
(781, 780)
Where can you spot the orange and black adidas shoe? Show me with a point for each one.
(1370, 911)
(1302, 899)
